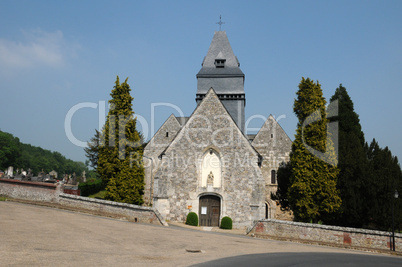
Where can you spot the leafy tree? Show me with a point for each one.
(92, 151)
(312, 193)
(25, 156)
(120, 153)
(9, 150)
(352, 161)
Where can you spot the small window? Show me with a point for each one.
(167, 134)
(220, 63)
(272, 135)
(273, 177)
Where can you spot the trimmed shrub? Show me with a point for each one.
(91, 187)
(226, 223)
(192, 219)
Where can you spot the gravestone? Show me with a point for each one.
(29, 174)
(74, 179)
(65, 178)
(10, 172)
(53, 173)
(84, 179)
(48, 179)
(41, 174)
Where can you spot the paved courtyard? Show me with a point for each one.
(34, 235)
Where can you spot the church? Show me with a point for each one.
(206, 163)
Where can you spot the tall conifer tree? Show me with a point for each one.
(312, 193)
(92, 150)
(120, 154)
(384, 177)
(352, 161)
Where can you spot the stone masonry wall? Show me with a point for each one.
(275, 146)
(178, 181)
(154, 148)
(52, 193)
(36, 191)
(344, 236)
(133, 213)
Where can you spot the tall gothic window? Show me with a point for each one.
(273, 177)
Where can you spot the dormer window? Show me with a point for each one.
(220, 63)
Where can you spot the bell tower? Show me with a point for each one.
(221, 71)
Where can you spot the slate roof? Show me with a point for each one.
(220, 49)
(223, 72)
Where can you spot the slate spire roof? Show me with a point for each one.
(220, 52)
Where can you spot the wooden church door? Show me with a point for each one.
(210, 210)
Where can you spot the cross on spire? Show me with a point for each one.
(220, 22)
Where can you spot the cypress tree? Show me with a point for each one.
(120, 153)
(352, 161)
(384, 177)
(312, 193)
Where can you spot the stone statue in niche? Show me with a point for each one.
(210, 179)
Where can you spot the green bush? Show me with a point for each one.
(226, 223)
(91, 187)
(192, 219)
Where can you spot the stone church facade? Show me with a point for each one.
(206, 163)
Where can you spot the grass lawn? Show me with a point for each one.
(100, 194)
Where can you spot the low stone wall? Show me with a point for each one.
(35, 191)
(343, 236)
(72, 190)
(132, 212)
(53, 193)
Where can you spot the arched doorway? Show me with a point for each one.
(210, 210)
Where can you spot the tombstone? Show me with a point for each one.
(53, 173)
(41, 174)
(10, 172)
(65, 178)
(18, 175)
(29, 174)
(74, 179)
(23, 174)
(48, 179)
(84, 179)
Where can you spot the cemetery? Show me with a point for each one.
(47, 189)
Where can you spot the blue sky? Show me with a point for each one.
(55, 55)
